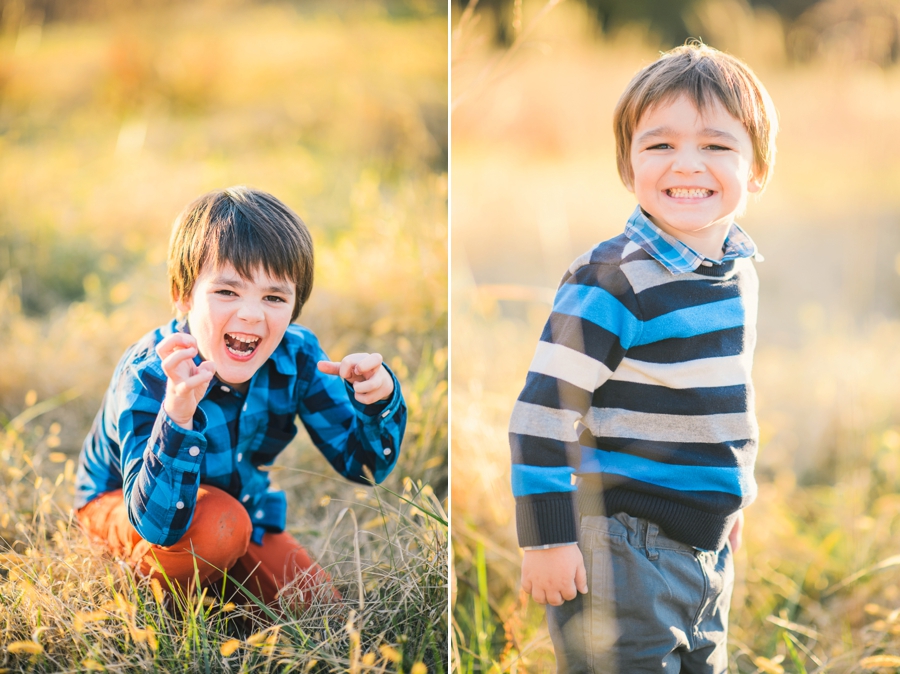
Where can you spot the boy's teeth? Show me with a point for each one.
(246, 340)
(680, 193)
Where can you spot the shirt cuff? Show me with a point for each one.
(177, 447)
(378, 412)
(548, 546)
(269, 514)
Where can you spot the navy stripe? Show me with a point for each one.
(736, 452)
(720, 343)
(547, 391)
(535, 451)
(627, 395)
(584, 337)
(662, 299)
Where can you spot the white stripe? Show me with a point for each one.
(712, 428)
(543, 422)
(578, 369)
(581, 261)
(703, 372)
(629, 248)
(643, 274)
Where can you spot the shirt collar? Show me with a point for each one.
(678, 257)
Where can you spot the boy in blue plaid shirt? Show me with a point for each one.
(172, 474)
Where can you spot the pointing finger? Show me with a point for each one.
(329, 367)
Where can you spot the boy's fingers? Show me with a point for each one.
(370, 362)
(554, 598)
(201, 378)
(207, 366)
(171, 361)
(348, 366)
(329, 367)
(367, 385)
(170, 344)
(526, 585)
(539, 596)
(581, 580)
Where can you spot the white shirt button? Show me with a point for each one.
(706, 263)
(225, 388)
(385, 413)
(259, 514)
(245, 498)
(244, 407)
(387, 451)
(240, 456)
(194, 451)
(179, 505)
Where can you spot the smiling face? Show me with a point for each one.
(238, 322)
(692, 171)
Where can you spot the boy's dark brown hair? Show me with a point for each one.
(246, 228)
(705, 75)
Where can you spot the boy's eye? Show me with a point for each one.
(225, 291)
(660, 146)
(275, 298)
(718, 148)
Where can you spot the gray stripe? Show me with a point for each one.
(711, 428)
(543, 422)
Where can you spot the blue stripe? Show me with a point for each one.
(693, 321)
(730, 480)
(599, 307)
(528, 480)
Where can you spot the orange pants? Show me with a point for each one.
(219, 536)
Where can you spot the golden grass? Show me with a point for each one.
(534, 185)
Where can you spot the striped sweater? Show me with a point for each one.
(640, 386)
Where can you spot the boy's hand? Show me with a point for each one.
(187, 382)
(736, 535)
(554, 575)
(371, 381)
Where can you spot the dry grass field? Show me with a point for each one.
(534, 185)
(108, 127)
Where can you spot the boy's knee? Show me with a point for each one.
(220, 529)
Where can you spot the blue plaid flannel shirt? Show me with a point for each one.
(679, 258)
(134, 446)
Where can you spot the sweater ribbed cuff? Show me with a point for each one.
(546, 519)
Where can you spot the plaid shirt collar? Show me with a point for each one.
(678, 257)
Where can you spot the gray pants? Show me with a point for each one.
(654, 604)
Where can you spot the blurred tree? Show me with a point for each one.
(16, 13)
(844, 29)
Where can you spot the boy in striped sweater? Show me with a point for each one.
(640, 386)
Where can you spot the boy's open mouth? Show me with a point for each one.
(694, 193)
(241, 345)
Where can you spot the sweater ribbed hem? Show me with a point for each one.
(691, 526)
(546, 520)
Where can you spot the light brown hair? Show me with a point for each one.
(704, 75)
(246, 228)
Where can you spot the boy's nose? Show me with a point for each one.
(688, 161)
(250, 312)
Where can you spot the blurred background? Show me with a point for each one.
(534, 184)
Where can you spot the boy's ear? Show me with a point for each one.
(754, 182)
(183, 305)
